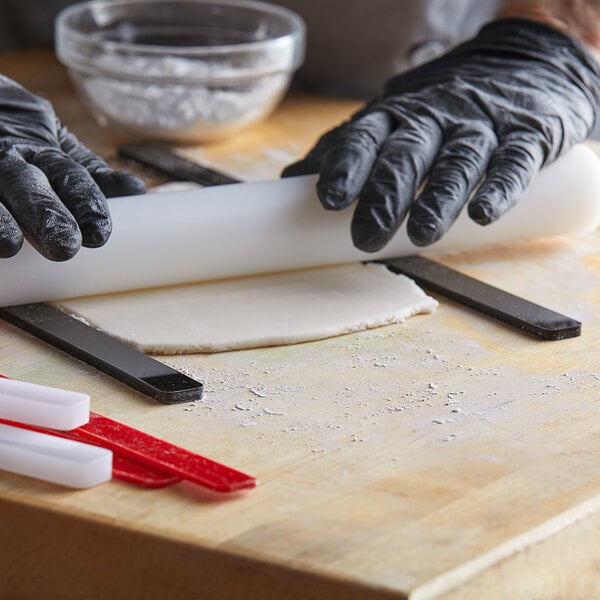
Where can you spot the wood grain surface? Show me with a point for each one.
(447, 457)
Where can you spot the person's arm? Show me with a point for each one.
(473, 126)
(577, 18)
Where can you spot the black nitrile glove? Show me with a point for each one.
(495, 109)
(52, 188)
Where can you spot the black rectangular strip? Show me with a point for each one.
(105, 353)
(508, 308)
(162, 158)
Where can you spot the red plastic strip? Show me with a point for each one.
(154, 455)
(162, 455)
(135, 472)
(124, 468)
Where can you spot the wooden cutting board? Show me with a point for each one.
(401, 462)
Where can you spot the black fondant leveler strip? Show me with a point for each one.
(105, 353)
(489, 300)
(164, 159)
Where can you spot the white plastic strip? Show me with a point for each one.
(53, 459)
(43, 406)
(250, 228)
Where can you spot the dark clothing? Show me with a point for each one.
(26, 23)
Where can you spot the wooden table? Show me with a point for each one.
(448, 457)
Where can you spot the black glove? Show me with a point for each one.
(498, 107)
(52, 188)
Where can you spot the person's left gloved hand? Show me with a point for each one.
(52, 188)
(490, 112)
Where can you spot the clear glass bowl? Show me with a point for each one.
(180, 70)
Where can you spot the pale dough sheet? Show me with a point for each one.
(249, 312)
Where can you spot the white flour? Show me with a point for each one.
(182, 104)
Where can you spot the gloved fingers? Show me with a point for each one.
(79, 193)
(402, 164)
(116, 183)
(347, 165)
(11, 237)
(112, 183)
(311, 163)
(458, 167)
(44, 220)
(511, 168)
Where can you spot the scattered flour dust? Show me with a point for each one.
(348, 402)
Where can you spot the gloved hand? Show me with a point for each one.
(493, 110)
(52, 188)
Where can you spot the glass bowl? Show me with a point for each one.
(180, 70)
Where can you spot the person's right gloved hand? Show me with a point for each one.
(52, 188)
(473, 126)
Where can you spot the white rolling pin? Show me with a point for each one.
(249, 228)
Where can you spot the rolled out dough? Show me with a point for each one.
(249, 312)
